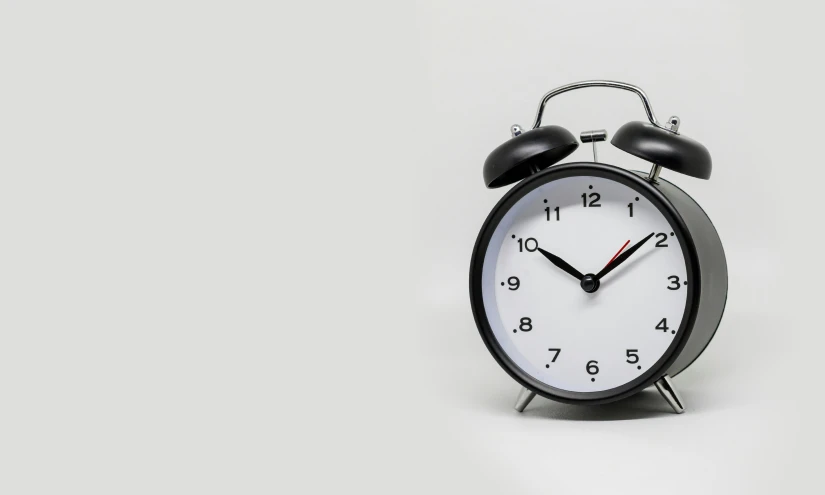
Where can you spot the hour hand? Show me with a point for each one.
(561, 264)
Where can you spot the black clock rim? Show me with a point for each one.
(691, 260)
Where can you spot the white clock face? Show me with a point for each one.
(542, 317)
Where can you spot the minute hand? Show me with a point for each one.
(622, 257)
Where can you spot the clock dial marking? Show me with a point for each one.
(608, 338)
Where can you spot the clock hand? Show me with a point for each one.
(622, 257)
(561, 264)
(618, 252)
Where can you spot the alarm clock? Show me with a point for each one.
(589, 282)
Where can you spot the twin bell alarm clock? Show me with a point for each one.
(589, 282)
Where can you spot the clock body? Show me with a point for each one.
(652, 315)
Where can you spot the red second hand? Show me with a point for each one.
(617, 253)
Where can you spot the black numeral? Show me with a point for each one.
(524, 244)
(632, 356)
(526, 324)
(662, 325)
(514, 283)
(557, 352)
(630, 207)
(592, 367)
(548, 210)
(674, 282)
(662, 238)
(594, 200)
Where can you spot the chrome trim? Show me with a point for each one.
(524, 398)
(665, 387)
(603, 84)
(593, 137)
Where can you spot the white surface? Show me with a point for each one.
(236, 240)
(601, 326)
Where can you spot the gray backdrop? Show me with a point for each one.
(235, 241)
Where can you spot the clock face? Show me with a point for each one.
(620, 325)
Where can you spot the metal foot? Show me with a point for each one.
(524, 398)
(665, 387)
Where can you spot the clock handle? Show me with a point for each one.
(602, 84)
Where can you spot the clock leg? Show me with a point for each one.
(524, 398)
(665, 387)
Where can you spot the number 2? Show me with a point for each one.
(662, 238)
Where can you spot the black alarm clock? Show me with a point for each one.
(589, 282)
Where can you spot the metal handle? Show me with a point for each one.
(603, 84)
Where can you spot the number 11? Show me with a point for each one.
(548, 210)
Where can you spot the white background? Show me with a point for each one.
(235, 240)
